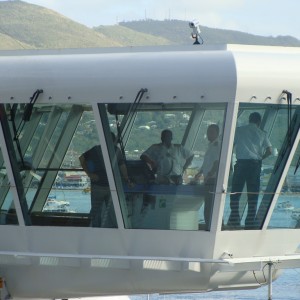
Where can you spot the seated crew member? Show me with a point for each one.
(93, 164)
(167, 160)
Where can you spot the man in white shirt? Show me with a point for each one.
(209, 170)
(168, 160)
(252, 146)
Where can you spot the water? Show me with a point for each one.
(79, 201)
(286, 287)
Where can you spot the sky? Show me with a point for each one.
(261, 17)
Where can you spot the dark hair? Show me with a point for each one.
(255, 118)
(214, 127)
(166, 132)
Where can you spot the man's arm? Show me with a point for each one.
(149, 161)
(92, 176)
(213, 170)
(187, 162)
(124, 174)
(267, 153)
(83, 164)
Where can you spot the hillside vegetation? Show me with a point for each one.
(8, 43)
(39, 27)
(29, 26)
(129, 37)
(178, 32)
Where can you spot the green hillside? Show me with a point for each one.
(8, 43)
(28, 26)
(129, 37)
(179, 32)
(43, 28)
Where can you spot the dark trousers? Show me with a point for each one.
(246, 171)
(102, 209)
(209, 195)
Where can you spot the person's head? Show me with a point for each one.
(166, 137)
(255, 118)
(212, 132)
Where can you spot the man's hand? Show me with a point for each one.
(94, 177)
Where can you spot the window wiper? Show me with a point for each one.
(25, 118)
(27, 112)
(131, 113)
(287, 144)
(290, 124)
(289, 119)
(298, 163)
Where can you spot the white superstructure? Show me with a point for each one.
(55, 105)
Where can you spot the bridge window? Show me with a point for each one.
(287, 210)
(163, 195)
(247, 209)
(46, 153)
(59, 182)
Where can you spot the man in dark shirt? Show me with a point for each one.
(92, 163)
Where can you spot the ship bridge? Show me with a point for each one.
(65, 233)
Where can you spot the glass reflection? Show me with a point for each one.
(55, 188)
(287, 210)
(167, 194)
(274, 124)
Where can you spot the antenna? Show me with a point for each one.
(196, 32)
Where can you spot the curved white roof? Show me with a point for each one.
(264, 71)
(223, 73)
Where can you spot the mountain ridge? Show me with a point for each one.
(43, 28)
(29, 26)
(179, 32)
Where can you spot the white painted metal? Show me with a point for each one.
(186, 75)
(60, 262)
(263, 72)
(225, 161)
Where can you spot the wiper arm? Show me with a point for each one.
(131, 113)
(289, 119)
(26, 117)
(28, 112)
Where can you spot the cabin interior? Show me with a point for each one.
(43, 184)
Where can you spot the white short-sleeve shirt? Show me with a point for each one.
(169, 161)
(212, 154)
(251, 142)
